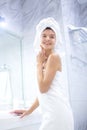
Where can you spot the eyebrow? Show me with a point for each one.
(53, 34)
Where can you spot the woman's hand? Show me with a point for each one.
(25, 113)
(41, 57)
(20, 113)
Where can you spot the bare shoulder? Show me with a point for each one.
(55, 60)
(55, 57)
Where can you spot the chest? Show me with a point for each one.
(44, 65)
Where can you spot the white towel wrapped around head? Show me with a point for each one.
(44, 23)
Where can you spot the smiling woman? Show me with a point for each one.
(48, 38)
(54, 104)
(18, 83)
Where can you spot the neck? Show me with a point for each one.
(48, 52)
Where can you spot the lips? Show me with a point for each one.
(47, 43)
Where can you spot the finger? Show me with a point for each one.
(22, 115)
(13, 112)
(42, 49)
(18, 112)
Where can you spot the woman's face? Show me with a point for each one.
(48, 39)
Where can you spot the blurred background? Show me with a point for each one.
(18, 20)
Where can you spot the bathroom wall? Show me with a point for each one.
(10, 68)
(78, 76)
(83, 14)
(74, 17)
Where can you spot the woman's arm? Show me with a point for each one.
(31, 109)
(45, 79)
(23, 113)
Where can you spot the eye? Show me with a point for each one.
(43, 36)
(52, 36)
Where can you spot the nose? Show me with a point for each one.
(47, 38)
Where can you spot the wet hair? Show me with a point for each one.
(49, 28)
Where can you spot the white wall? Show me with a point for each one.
(10, 62)
(76, 61)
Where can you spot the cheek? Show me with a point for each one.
(42, 41)
(54, 42)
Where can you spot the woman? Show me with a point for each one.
(56, 111)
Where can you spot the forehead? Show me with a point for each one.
(50, 31)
